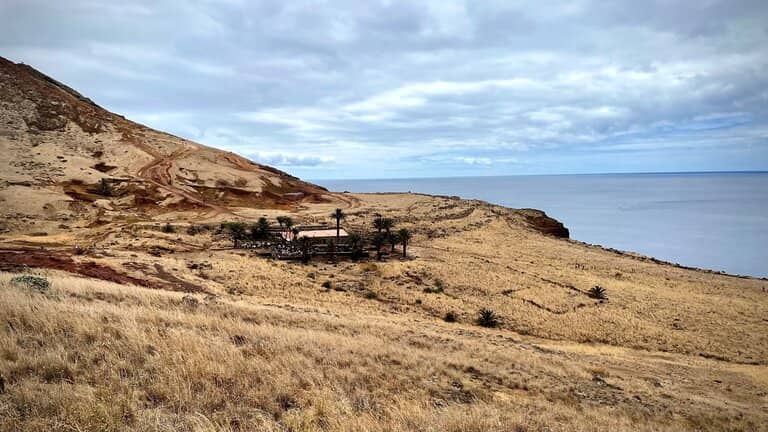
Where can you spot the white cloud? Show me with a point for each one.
(290, 160)
(385, 88)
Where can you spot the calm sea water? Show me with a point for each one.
(710, 220)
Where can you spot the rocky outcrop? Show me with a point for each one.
(544, 224)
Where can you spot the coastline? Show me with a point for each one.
(624, 253)
(709, 221)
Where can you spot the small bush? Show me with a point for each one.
(190, 301)
(370, 295)
(105, 188)
(36, 283)
(450, 317)
(235, 291)
(168, 228)
(598, 292)
(52, 370)
(196, 229)
(370, 268)
(487, 318)
(239, 340)
(434, 290)
(327, 284)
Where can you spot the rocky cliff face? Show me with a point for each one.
(539, 221)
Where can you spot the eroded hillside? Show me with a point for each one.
(56, 146)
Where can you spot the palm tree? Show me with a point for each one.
(404, 235)
(338, 214)
(288, 222)
(330, 247)
(388, 224)
(378, 241)
(305, 246)
(260, 229)
(236, 231)
(378, 223)
(263, 226)
(356, 245)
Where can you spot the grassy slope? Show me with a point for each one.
(96, 356)
(277, 351)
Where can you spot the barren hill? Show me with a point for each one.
(159, 324)
(56, 146)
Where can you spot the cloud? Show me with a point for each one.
(457, 160)
(396, 88)
(290, 160)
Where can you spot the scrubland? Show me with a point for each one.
(257, 344)
(90, 355)
(148, 327)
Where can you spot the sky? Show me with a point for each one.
(386, 89)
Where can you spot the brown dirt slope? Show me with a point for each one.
(52, 137)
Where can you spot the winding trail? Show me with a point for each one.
(158, 172)
(350, 201)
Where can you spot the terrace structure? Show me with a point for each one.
(316, 235)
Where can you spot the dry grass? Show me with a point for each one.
(671, 349)
(97, 356)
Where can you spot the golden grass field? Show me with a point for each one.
(264, 346)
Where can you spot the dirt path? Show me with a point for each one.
(158, 172)
(350, 201)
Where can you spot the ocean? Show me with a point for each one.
(717, 221)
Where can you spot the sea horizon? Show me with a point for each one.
(320, 180)
(714, 220)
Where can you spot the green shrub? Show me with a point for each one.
(105, 188)
(168, 228)
(435, 290)
(598, 292)
(196, 229)
(370, 295)
(37, 283)
(439, 287)
(487, 318)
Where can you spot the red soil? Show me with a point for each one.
(15, 260)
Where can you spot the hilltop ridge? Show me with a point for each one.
(55, 141)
